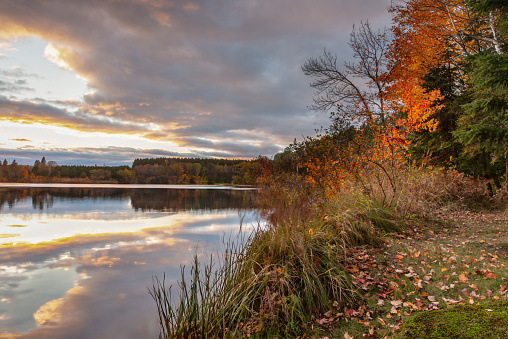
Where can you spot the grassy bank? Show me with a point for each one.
(447, 280)
(328, 263)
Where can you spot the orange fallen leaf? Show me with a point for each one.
(463, 278)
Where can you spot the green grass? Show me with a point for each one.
(489, 321)
(432, 269)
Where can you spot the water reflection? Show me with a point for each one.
(79, 261)
(174, 200)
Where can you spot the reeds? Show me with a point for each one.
(280, 275)
(287, 273)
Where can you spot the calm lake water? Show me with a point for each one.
(76, 262)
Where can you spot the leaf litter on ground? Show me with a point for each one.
(464, 263)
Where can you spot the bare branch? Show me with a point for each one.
(356, 88)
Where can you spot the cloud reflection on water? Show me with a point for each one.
(95, 285)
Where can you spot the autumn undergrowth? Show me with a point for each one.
(335, 263)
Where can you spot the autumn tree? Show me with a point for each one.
(356, 89)
(373, 103)
(450, 45)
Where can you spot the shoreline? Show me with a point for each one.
(131, 186)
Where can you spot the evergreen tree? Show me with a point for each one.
(36, 166)
(484, 126)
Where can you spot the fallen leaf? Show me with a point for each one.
(347, 336)
(381, 322)
(463, 278)
(322, 321)
(396, 303)
(490, 275)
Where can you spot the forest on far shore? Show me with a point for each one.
(142, 171)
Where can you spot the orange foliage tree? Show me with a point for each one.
(376, 100)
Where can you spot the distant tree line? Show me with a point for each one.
(143, 171)
(195, 171)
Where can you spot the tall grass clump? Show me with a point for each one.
(287, 272)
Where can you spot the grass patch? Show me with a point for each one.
(458, 270)
(280, 275)
(489, 321)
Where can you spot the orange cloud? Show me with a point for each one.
(162, 18)
(50, 313)
(21, 140)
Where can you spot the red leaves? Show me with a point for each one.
(351, 313)
(486, 274)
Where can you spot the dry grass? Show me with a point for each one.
(309, 270)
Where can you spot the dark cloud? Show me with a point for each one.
(112, 156)
(40, 111)
(87, 155)
(15, 86)
(199, 70)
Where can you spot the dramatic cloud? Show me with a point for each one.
(101, 155)
(223, 77)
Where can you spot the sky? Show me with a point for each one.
(107, 81)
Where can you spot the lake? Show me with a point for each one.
(77, 261)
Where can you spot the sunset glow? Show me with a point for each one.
(157, 78)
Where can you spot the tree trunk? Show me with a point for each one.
(495, 40)
(506, 170)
